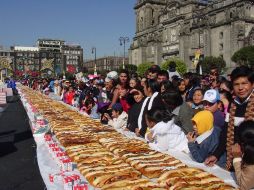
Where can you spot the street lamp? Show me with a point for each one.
(94, 52)
(123, 40)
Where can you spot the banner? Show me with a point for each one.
(71, 68)
(47, 64)
(5, 63)
(196, 59)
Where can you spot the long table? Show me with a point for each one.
(48, 166)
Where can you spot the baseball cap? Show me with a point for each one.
(211, 96)
(117, 107)
(112, 75)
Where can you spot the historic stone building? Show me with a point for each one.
(108, 63)
(48, 57)
(166, 28)
(50, 54)
(26, 60)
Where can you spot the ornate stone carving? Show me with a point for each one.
(234, 13)
(212, 20)
(158, 36)
(241, 12)
(241, 32)
(142, 41)
(206, 20)
(173, 35)
(150, 37)
(172, 13)
(185, 29)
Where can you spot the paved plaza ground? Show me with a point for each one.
(18, 163)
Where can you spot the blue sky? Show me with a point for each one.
(88, 23)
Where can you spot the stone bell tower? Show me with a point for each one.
(145, 46)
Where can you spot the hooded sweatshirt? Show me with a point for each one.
(208, 138)
(168, 136)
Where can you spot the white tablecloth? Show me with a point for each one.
(48, 166)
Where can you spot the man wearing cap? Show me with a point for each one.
(210, 103)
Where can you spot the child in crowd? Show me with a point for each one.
(69, 95)
(243, 154)
(205, 137)
(134, 82)
(221, 107)
(197, 99)
(225, 98)
(90, 108)
(164, 135)
(119, 117)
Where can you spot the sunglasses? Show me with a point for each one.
(208, 104)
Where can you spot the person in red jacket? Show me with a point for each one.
(69, 95)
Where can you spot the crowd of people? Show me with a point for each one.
(210, 117)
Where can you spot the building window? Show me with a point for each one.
(221, 35)
(221, 47)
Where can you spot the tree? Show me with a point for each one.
(210, 61)
(244, 56)
(69, 76)
(131, 68)
(143, 67)
(180, 65)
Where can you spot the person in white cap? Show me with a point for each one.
(112, 75)
(210, 103)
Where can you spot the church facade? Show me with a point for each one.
(181, 28)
